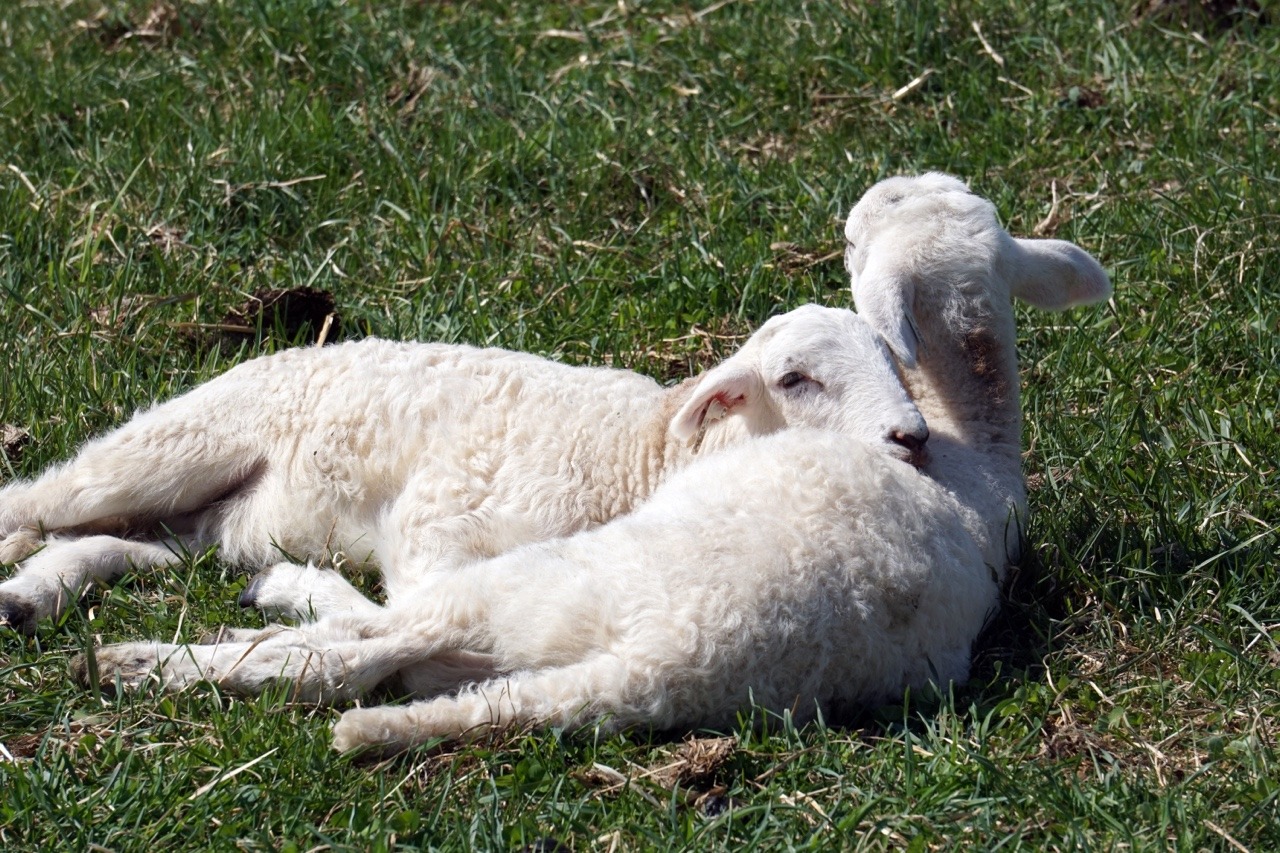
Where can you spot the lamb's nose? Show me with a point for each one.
(914, 443)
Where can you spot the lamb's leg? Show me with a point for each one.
(49, 581)
(337, 657)
(448, 671)
(305, 593)
(160, 465)
(20, 544)
(309, 594)
(568, 696)
(320, 668)
(428, 529)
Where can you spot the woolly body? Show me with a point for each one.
(934, 272)
(417, 457)
(678, 614)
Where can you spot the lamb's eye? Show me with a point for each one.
(792, 379)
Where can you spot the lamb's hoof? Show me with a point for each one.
(17, 613)
(85, 677)
(80, 670)
(359, 731)
(249, 595)
(127, 665)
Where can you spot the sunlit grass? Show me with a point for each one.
(641, 184)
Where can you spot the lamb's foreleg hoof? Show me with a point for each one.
(304, 592)
(18, 613)
(367, 730)
(129, 664)
(249, 595)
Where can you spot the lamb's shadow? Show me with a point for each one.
(1078, 571)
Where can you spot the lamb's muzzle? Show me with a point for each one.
(913, 447)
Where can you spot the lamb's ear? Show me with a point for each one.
(721, 391)
(1055, 274)
(884, 298)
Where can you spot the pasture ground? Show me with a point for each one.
(640, 184)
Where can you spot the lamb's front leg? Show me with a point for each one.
(335, 658)
(569, 696)
(49, 581)
(322, 668)
(306, 593)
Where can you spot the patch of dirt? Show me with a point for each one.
(293, 309)
(1083, 97)
(283, 315)
(12, 440)
(23, 746)
(163, 24)
(695, 762)
(692, 767)
(1213, 15)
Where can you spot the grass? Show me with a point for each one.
(640, 184)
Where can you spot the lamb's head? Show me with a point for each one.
(813, 367)
(912, 239)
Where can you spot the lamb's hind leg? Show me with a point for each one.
(337, 657)
(572, 695)
(158, 466)
(48, 582)
(161, 466)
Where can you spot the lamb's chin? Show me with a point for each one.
(917, 458)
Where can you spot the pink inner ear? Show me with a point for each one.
(723, 398)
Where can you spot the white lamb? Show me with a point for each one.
(933, 271)
(801, 570)
(421, 456)
(694, 585)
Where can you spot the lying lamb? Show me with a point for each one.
(801, 570)
(422, 456)
(745, 563)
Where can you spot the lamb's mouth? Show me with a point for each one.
(910, 447)
(916, 457)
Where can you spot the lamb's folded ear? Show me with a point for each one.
(884, 298)
(1055, 274)
(722, 390)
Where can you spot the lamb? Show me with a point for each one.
(932, 270)
(805, 570)
(743, 562)
(416, 457)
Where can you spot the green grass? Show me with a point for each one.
(639, 184)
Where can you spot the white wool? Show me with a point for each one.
(934, 273)
(746, 576)
(416, 457)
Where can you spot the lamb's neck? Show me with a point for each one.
(655, 454)
(642, 453)
(967, 391)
